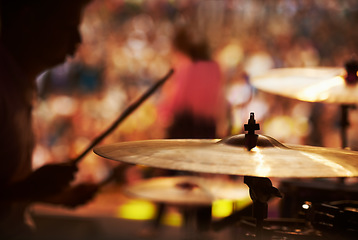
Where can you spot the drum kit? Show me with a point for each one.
(187, 190)
(258, 158)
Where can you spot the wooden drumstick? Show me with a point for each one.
(124, 115)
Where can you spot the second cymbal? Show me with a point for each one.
(187, 190)
(315, 84)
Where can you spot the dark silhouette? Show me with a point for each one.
(35, 35)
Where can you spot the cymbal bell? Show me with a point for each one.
(269, 158)
(187, 190)
(315, 84)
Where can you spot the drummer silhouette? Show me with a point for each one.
(35, 35)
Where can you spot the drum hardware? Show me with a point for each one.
(277, 228)
(251, 137)
(256, 158)
(193, 196)
(230, 156)
(281, 229)
(311, 84)
(261, 189)
(351, 79)
(337, 219)
(297, 191)
(187, 190)
(315, 84)
(327, 85)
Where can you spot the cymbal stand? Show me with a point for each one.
(351, 79)
(344, 123)
(261, 189)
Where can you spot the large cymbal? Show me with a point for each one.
(320, 84)
(187, 190)
(230, 156)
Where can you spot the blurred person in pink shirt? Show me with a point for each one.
(196, 103)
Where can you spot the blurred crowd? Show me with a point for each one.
(128, 45)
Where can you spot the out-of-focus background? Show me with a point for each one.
(129, 44)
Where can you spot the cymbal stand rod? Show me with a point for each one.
(344, 127)
(260, 211)
(261, 191)
(344, 124)
(255, 183)
(125, 114)
(351, 79)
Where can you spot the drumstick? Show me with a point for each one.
(124, 115)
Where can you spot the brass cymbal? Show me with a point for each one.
(319, 84)
(230, 156)
(187, 190)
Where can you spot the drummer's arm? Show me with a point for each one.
(43, 182)
(69, 197)
(72, 196)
